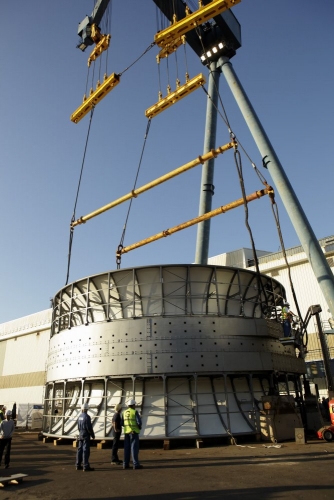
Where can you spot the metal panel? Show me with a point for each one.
(153, 409)
(209, 420)
(175, 290)
(238, 421)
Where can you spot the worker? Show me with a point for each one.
(117, 431)
(85, 433)
(7, 427)
(132, 423)
(2, 413)
(287, 317)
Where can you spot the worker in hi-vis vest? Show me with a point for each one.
(131, 423)
(287, 317)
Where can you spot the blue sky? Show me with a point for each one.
(286, 68)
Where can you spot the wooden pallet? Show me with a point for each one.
(14, 479)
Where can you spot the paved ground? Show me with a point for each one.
(229, 472)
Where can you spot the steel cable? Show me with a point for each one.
(120, 246)
(76, 200)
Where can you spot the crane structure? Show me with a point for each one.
(88, 29)
(222, 36)
(90, 33)
(215, 43)
(198, 346)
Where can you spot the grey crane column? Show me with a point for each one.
(207, 187)
(297, 216)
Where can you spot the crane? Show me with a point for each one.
(90, 32)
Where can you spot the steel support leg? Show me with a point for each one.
(207, 187)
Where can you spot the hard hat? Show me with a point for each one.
(287, 304)
(8, 412)
(85, 406)
(131, 402)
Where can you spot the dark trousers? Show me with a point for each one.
(287, 328)
(115, 446)
(5, 445)
(83, 453)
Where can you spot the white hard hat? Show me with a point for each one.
(85, 406)
(131, 402)
(8, 412)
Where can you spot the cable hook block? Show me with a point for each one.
(96, 96)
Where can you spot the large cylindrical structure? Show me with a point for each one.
(196, 346)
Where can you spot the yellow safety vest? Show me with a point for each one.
(285, 311)
(130, 423)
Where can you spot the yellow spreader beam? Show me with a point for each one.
(167, 50)
(188, 23)
(200, 159)
(101, 46)
(102, 89)
(173, 97)
(196, 220)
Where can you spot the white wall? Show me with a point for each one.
(24, 345)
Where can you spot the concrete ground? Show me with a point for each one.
(293, 471)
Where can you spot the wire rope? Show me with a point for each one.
(138, 58)
(76, 198)
(108, 30)
(177, 70)
(174, 14)
(280, 235)
(100, 67)
(237, 158)
(93, 74)
(273, 205)
(258, 173)
(86, 90)
(120, 246)
(225, 117)
(238, 163)
(260, 286)
(159, 78)
(186, 61)
(168, 76)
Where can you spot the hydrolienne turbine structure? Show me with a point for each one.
(197, 346)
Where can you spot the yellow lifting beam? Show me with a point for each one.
(102, 89)
(188, 23)
(101, 46)
(102, 43)
(173, 97)
(200, 159)
(196, 220)
(171, 47)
